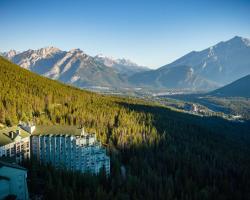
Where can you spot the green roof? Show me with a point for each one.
(57, 130)
(4, 134)
(39, 130)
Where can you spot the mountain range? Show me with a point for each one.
(75, 67)
(208, 69)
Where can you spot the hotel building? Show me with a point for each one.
(70, 148)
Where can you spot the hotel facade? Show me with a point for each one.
(64, 147)
(80, 152)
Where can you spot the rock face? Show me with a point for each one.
(214, 66)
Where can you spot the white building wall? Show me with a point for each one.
(20, 149)
(82, 153)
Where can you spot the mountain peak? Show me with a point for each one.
(44, 52)
(10, 54)
(76, 50)
(109, 61)
(238, 39)
(125, 61)
(106, 58)
(48, 50)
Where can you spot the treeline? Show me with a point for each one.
(235, 105)
(155, 153)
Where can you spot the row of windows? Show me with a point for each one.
(67, 153)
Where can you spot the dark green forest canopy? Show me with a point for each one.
(166, 154)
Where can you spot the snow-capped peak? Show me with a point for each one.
(127, 62)
(10, 54)
(103, 57)
(110, 61)
(100, 56)
(42, 52)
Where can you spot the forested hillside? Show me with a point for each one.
(26, 96)
(238, 88)
(163, 154)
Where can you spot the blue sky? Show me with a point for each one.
(149, 32)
